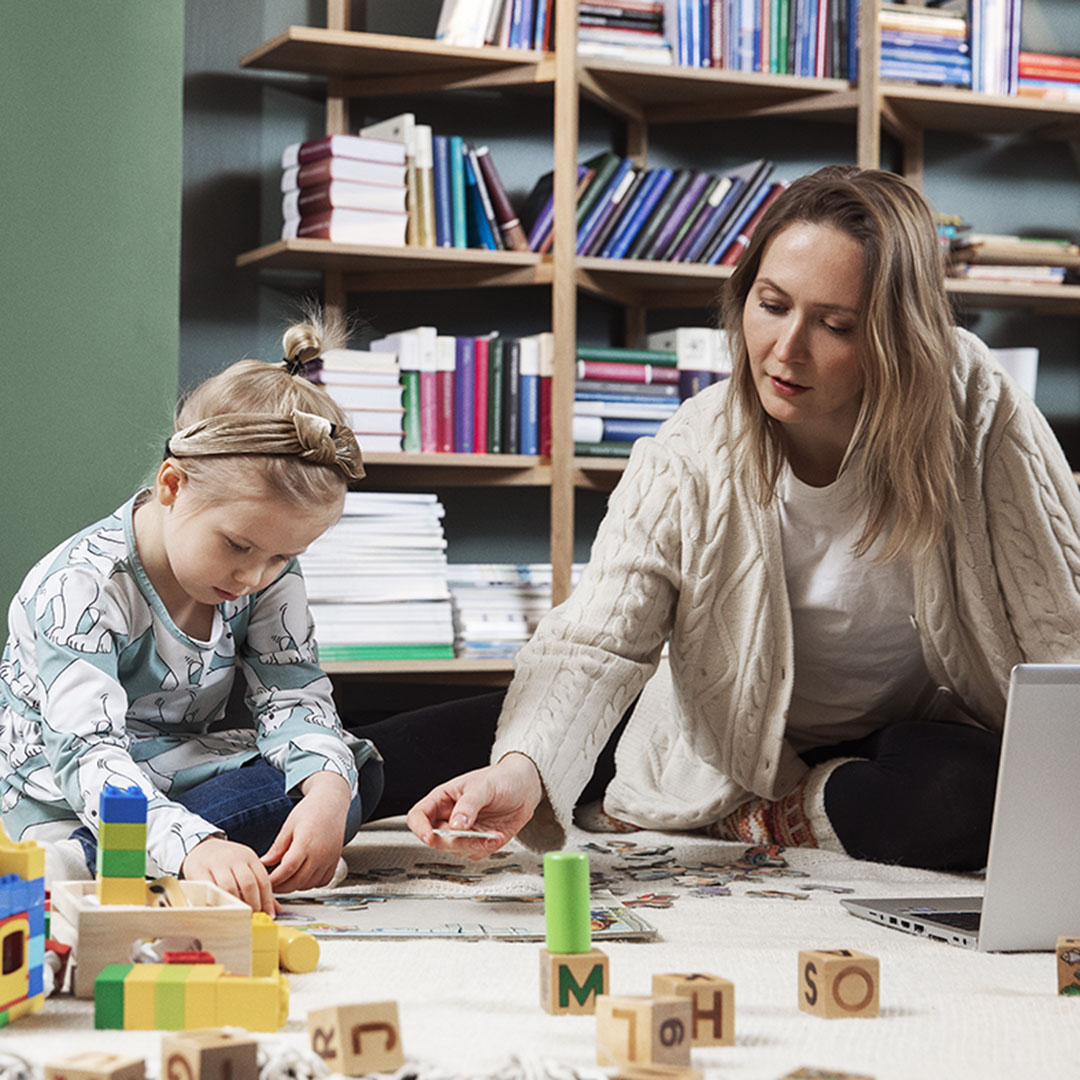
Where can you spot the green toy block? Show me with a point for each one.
(122, 835)
(127, 864)
(170, 997)
(109, 996)
(566, 902)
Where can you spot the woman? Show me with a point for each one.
(847, 546)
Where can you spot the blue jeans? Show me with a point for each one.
(250, 805)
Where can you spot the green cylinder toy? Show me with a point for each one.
(566, 902)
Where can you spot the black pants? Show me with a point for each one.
(922, 795)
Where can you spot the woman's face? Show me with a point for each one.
(800, 321)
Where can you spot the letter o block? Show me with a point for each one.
(211, 1054)
(571, 982)
(838, 982)
(712, 1000)
(638, 1030)
(357, 1039)
(1068, 966)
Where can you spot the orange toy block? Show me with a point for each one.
(211, 1054)
(838, 982)
(96, 1065)
(571, 982)
(712, 1019)
(358, 1039)
(639, 1030)
(1068, 966)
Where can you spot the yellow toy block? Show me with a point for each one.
(140, 996)
(24, 858)
(200, 1004)
(256, 1004)
(264, 944)
(96, 1065)
(121, 890)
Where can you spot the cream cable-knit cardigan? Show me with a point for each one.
(686, 552)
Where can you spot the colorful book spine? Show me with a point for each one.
(590, 223)
(529, 395)
(647, 197)
(459, 206)
(464, 408)
(425, 185)
(641, 373)
(622, 355)
(480, 395)
(547, 371)
(735, 249)
(659, 214)
(681, 209)
(478, 229)
(512, 398)
(513, 234)
(496, 395)
(730, 232)
(718, 207)
(624, 201)
(444, 205)
(445, 364)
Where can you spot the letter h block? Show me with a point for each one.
(712, 1018)
(1068, 966)
(838, 982)
(357, 1039)
(632, 1029)
(571, 982)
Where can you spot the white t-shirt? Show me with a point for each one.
(858, 661)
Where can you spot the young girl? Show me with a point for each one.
(846, 547)
(124, 641)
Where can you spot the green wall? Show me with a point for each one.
(90, 122)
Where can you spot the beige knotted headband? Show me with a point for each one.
(301, 434)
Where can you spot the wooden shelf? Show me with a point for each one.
(456, 470)
(470, 672)
(1045, 299)
(945, 109)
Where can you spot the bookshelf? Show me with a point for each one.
(359, 65)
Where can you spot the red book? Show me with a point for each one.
(480, 395)
(364, 147)
(512, 232)
(742, 241)
(348, 169)
(618, 372)
(547, 369)
(1068, 66)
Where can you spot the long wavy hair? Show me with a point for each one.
(907, 435)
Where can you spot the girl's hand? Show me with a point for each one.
(498, 798)
(234, 868)
(308, 847)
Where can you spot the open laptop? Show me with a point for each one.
(1032, 890)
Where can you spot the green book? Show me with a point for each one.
(410, 398)
(604, 167)
(783, 27)
(602, 449)
(457, 191)
(385, 652)
(657, 357)
(496, 392)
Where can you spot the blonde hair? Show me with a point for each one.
(907, 434)
(265, 424)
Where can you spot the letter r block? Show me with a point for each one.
(633, 1029)
(571, 982)
(838, 982)
(712, 1020)
(357, 1039)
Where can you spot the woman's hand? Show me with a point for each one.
(234, 868)
(307, 849)
(499, 798)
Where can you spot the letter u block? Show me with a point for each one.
(712, 999)
(571, 982)
(1068, 966)
(357, 1039)
(638, 1030)
(838, 982)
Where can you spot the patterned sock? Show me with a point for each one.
(592, 817)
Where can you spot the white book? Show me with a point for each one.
(345, 195)
(660, 411)
(464, 22)
(383, 380)
(366, 397)
(369, 422)
(359, 360)
(378, 444)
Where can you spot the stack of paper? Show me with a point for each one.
(377, 583)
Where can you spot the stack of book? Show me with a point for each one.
(925, 45)
(1016, 259)
(1052, 78)
(497, 605)
(620, 395)
(347, 188)
(369, 388)
(482, 394)
(624, 30)
(511, 24)
(701, 355)
(377, 581)
(662, 214)
(995, 45)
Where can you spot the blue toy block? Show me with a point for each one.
(122, 804)
(36, 917)
(11, 895)
(35, 982)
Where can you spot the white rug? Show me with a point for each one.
(468, 1008)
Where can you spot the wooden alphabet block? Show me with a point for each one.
(823, 1074)
(838, 982)
(639, 1030)
(712, 1017)
(1068, 966)
(571, 982)
(96, 1065)
(657, 1072)
(210, 1054)
(357, 1039)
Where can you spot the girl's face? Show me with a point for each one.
(800, 322)
(220, 551)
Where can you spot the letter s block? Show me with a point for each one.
(1068, 966)
(358, 1039)
(838, 982)
(571, 982)
(638, 1030)
(712, 1019)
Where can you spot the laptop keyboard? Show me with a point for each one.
(959, 920)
